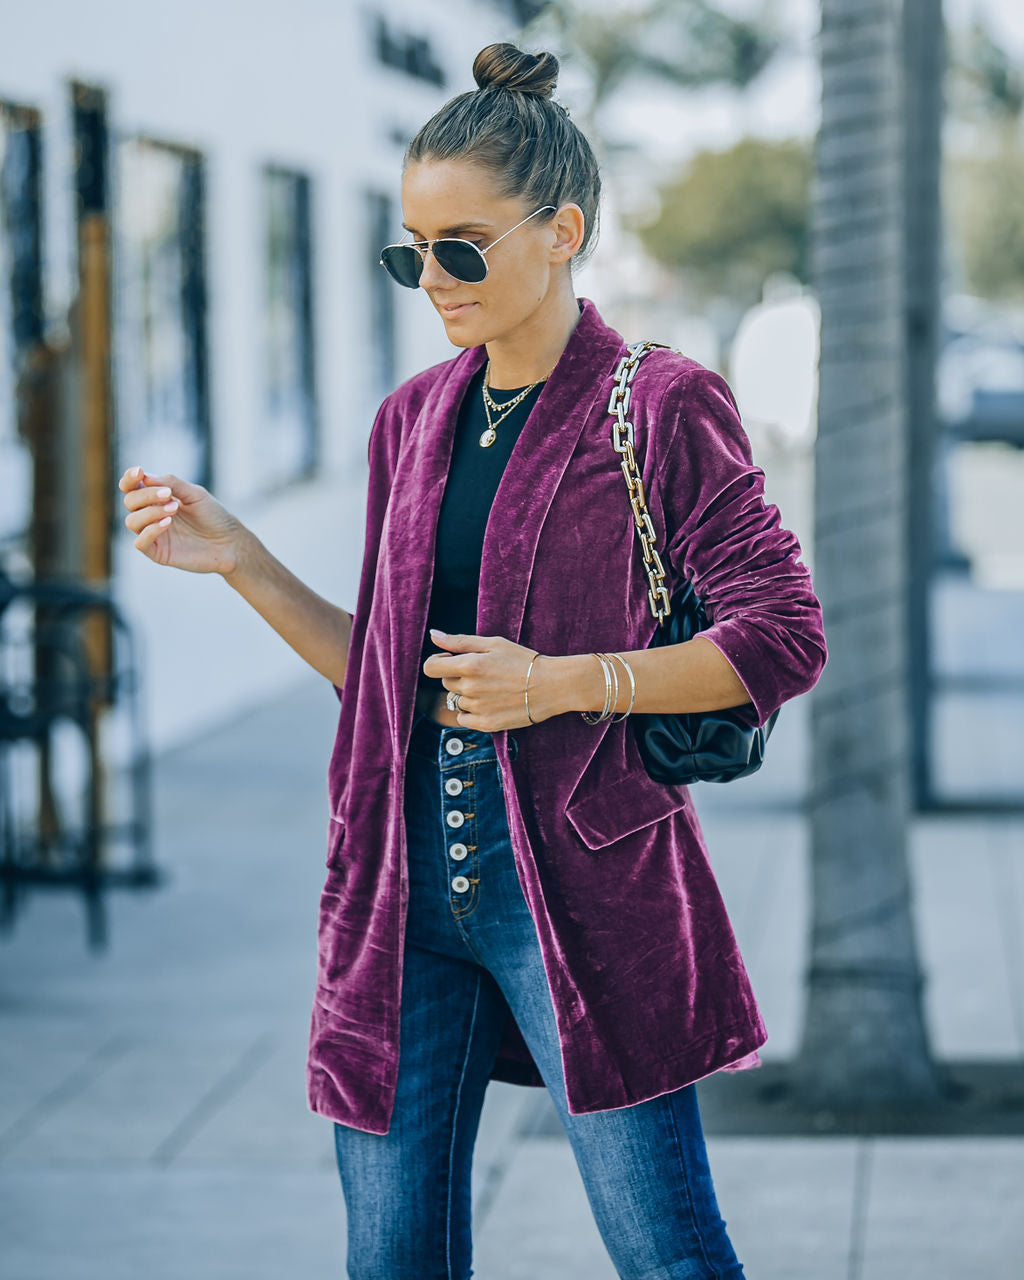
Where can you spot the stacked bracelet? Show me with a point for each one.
(606, 666)
(611, 690)
(632, 685)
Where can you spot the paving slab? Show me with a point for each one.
(173, 1224)
(138, 1102)
(944, 1210)
(261, 1121)
(788, 1204)
(972, 982)
(540, 1227)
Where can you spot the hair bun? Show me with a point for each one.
(503, 66)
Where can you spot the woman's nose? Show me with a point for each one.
(432, 275)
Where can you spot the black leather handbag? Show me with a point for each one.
(697, 746)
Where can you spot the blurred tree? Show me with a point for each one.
(985, 83)
(688, 43)
(984, 186)
(864, 1039)
(734, 217)
(985, 199)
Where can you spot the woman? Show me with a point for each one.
(508, 894)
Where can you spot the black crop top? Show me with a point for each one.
(473, 478)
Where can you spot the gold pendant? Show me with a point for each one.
(488, 438)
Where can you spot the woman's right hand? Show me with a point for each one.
(179, 523)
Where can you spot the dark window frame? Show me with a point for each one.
(193, 291)
(301, 279)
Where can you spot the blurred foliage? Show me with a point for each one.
(984, 170)
(733, 217)
(984, 83)
(985, 206)
(742, 198)
(689, 43)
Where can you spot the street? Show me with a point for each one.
(152, 1109)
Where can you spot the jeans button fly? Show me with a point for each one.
(459, 850)
(454, 786)
(456, 818)
(454, 746)
(460, 884)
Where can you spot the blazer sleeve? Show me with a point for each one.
(381, 455)
(721, 535)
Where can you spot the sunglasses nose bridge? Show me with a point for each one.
(432, 271)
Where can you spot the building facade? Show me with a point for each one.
(192, 201)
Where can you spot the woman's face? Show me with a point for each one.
(458, 198)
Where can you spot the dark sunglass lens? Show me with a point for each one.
(461, 259)
(403, 263)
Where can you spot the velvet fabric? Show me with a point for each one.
(646, 978)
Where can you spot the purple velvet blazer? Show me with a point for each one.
(649, 988)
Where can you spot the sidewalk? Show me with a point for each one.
(152, 1108)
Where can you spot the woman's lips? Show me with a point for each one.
(450, 313)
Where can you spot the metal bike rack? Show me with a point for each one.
(54, 706)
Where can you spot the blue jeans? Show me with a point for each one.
(469, 938)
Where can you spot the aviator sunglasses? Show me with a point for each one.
(461, 259)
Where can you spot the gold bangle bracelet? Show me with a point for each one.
(632, 683)
(615, 691)
(526, 691)
(589, 716)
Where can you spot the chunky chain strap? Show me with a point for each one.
(622, 442)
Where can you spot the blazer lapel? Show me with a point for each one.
(410, 529)
(534, 470)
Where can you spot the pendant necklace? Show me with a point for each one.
(489, 436)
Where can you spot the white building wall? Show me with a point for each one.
(295, 83)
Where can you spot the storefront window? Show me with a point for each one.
(288, 448)
(20, 304)
(161, 310)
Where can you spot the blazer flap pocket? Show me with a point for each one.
(622, 807)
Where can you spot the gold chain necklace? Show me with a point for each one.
(490, 435)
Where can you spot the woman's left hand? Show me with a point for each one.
(490, 674)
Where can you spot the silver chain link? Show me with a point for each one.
(622, 442)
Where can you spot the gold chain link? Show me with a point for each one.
(622, 442)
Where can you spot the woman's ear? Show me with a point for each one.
(570, 227)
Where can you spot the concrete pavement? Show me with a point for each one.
(152, 1111)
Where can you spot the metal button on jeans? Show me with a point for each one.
(458, 851)
(454, 746)
(456, 818)
(460, 884)
(454, 786)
